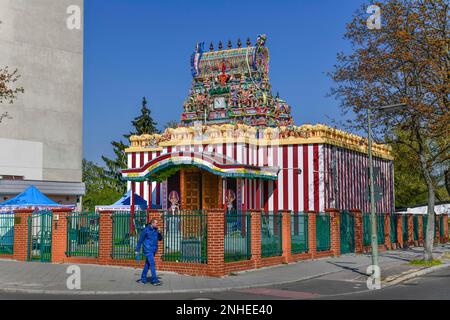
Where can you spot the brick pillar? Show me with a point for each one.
(400, 231)
(445, 228)
(255, 242)
(410, 230)
(59, 235)
(335, 231)
(21, 234)
(420, 224)
(105, 237)
(286, 234)
(387, 231)
(158, 215)
(216, 242)
(358, 230)
(312, 233)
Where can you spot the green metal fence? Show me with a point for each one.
(393, 227)
(82, 234)
(237, 237)
(323, 242)
(380, 228)
(6, 233)
(416, 227)
(185, 237)
(299, 232)
(405, 235)
(366, 229)
(424, 226)
(271, 244)
(126, 232)
(40, 229)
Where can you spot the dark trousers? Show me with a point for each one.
(149, 263)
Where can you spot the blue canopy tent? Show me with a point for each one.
(31, 198)
(123, 204)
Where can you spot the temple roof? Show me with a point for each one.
(232, 86)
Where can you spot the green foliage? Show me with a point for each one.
(434, 262)
(99, 191)
(142, 124)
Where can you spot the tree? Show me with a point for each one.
(8, 92)
(407, 61)
(171, 124)
(142, 124)
(99, 191)
(410, 186)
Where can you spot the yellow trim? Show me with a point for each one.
(305, 134)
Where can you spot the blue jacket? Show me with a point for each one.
(149, 240)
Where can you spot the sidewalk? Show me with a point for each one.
(35, 277)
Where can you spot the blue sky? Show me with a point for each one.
(136, 48)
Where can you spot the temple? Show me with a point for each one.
(237, 147)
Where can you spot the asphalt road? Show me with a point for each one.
(336, 286)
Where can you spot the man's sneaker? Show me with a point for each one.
(141, 282)
(157, 283)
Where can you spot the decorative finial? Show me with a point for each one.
(220, 45)
(249, 43)
(239, 43)
(229, 44)
(211, 47)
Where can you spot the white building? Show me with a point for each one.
(41, 144)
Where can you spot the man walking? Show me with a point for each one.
(149, 241)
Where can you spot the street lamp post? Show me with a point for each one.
(373, 217)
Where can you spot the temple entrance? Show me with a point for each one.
(200, 190)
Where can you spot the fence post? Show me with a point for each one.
(158, 216)
(387, 231)
(286, 235)
(410, 230)
(59, 234)
(21, 234)
(312, 241)
(400, 230)
(255, 242)
(420, 226)
(358, 230)
(105, 237)
(335, 231)
(216, 242)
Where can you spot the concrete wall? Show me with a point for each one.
(34, 38)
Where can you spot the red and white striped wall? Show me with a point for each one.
(306, 180)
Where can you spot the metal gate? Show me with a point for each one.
(40, 236)
(347, 232)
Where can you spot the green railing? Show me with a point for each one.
(299, 232)
(185, 237)
(366, 229)
(393, 227)
(405, 235)
(6, 233)
(416, 227)
(126, 232)
(441, 226)
(380, 228)
(82, 234)
(237, 237)
(323, 241)
(271, 244)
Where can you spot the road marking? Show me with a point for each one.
(280, 293)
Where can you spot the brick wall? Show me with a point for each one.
(21, 234)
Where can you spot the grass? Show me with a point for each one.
(421, 262)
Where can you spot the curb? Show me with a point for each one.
(416, 274)
(207, 290)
